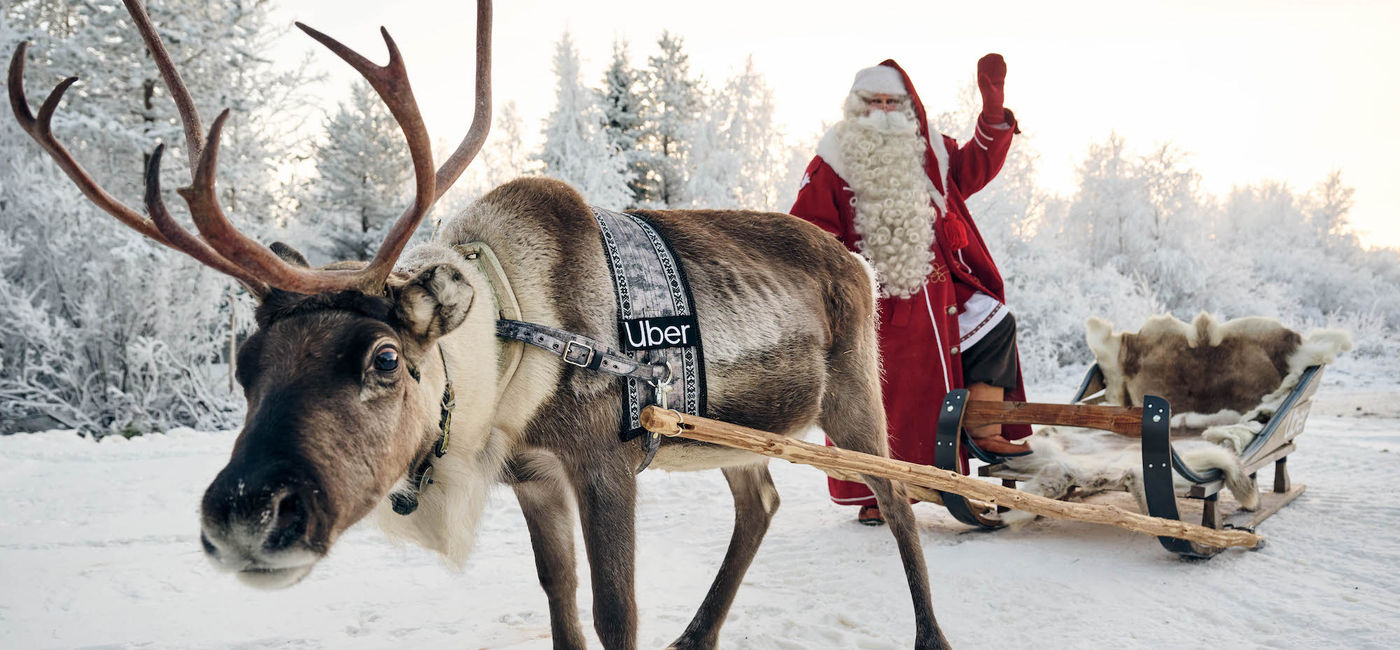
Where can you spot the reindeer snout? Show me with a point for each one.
(258, 522)
(288, 521)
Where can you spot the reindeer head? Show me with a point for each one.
(341, 376)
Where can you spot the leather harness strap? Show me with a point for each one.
(581, 351)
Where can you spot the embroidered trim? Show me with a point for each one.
(649, 281)
(993, 314)
(938, 274)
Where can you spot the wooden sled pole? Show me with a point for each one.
(852, 463)
(913, 491)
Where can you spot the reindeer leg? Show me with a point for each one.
(894, 505)
(755, 501)
(853, 417)
(607, 493)
(540, 486)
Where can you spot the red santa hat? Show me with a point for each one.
(878, 79)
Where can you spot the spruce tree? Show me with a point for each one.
(670, 109)
(365, 177)
(622, 106)
(576, 149)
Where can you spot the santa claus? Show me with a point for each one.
(894, 192)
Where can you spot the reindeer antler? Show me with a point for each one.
(225, 248)
(40, 128)
(481, 114)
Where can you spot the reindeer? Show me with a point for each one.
(347, 375)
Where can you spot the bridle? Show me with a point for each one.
(421, 476)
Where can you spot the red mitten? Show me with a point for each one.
(991, 79)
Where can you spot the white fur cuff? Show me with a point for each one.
(879, 79)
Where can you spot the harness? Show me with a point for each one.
(657, 329)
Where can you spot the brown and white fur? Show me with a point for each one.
(787, 316)
(1222, 380)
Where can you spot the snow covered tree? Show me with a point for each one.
(622, 106)
(797, 153)
(576, 149)
(1108, 204)
(365, 177)
(1266, 225)
(101, 329)
(507, 158)
(737, 158)
(670, 108)
(1144, 217)
(1008, 209)
(503, 158)
(712, 167)
(1326, 208)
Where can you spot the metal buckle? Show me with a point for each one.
(587, 357)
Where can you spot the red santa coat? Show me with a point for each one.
(919, 334)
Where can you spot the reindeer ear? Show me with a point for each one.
(431, 301)
(289, 254)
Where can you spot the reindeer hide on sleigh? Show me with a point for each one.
(1223, 381)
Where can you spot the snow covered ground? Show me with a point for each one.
(98, 548)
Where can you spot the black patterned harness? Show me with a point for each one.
(662, 360)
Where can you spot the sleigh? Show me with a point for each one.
(1172, 465)
(1151, 423)
(1278, 370)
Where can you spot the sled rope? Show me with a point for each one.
(851, 464)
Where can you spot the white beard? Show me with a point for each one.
(883, 160)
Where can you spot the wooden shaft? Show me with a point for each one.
(1125, 420)
(671, 423)
(913, 491)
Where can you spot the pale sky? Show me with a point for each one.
(1253, 89)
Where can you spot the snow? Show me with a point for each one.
(99, 548)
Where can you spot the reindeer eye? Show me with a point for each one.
(386, 360)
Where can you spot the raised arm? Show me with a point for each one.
(977, 161)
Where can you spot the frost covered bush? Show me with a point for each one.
(1053, 293)
(101, 329)
(102, 332)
